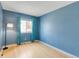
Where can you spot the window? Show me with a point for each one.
(23, 26)
(26, 26)
(29, 26)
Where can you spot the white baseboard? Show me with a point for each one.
(66, 53)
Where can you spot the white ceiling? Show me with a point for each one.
(35, 8)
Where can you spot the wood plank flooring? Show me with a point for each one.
(32, 50)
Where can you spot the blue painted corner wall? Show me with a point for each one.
(36, 28)
(60, 28)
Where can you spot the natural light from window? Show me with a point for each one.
(26, 26)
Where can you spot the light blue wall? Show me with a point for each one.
(14, 17)
(1, 26)
(60, 28)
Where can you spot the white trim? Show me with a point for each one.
(72, 56)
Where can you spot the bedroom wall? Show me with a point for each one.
(14, 17)
(1, 26)
(60, 28)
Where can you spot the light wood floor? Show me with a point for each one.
(32, 50)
